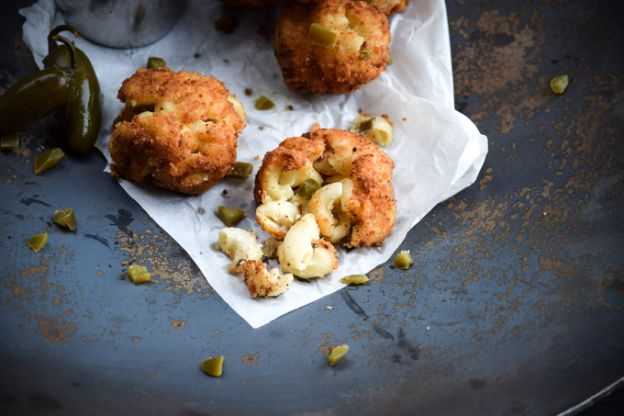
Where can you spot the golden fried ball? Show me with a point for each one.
(358, 54)
(354, 204)
(387, 7)
(178, 131)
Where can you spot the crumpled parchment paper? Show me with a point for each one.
(437, 151)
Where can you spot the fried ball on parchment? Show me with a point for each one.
(255, 4)
(385, 6)
(353, 203)
(179, 130)
(353, 49)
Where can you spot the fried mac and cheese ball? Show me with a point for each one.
(352, 202)
(178, 130)
(331, 46)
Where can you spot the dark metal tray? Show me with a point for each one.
(514, 306)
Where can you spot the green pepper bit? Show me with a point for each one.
(355, 279)
(337, 353)
(403, 260)
(365, 125)
(307, 189)
(65, 218)
(47, 159)
(213, 366)
(240, 170)
(365, 54)
(9, 142)
(264, 103)
(37, 242)
(318, 35)
(230, 216)
(156, 62)
(138, 274)
(559, 84)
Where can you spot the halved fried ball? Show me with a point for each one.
(353, 203)
(331, 46)
(178, 130)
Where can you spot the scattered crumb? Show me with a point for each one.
(250, 359)
(177, 324)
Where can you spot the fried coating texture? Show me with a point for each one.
(296, 154)
(261, 282)
(366, 204)
(359, 55)
(178, 131)
(387, 7)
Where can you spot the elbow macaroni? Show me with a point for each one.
(279, 184)
(276, 217)
(303, 254)
(239, 245)
(330, 199)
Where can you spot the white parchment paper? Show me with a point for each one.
(437, 151)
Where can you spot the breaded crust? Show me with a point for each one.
(387, 7)
(338, 154)
(372, 207)
(178, 130)
(261, 282)
(360, 54)
(291, 154)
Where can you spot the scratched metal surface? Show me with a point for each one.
(514, 305)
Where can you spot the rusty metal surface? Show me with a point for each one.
(514, 305)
